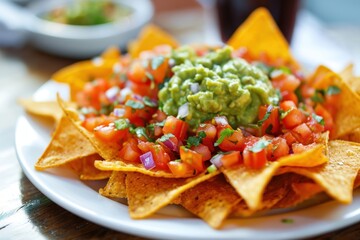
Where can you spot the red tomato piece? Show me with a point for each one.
(203, 150)
(109, 133)
(192, 158)
(180, 169)
(130, 151)
(286, 95)
(235, 142)
(230, 159)
(272, 124)
(254, 160)
(137, 72)
(279, 148)
(160, 72)
(328, 119)
(303, 133)
(285, 82)
(176, 126)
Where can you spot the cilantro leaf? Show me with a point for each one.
(318, 96)
(166, 137)
(134, 104)
(319, 119)
(148, 102)
(195, 140)
(266, 116)
(141, 132)
(333, 90)
(223, 134)
(284, 114)
(156, 62)
(259, 145)
(121, 124)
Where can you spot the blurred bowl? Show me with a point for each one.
(77, 41)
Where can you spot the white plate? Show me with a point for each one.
(80, 198)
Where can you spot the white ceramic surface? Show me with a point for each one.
(80, 198)
(85, 41)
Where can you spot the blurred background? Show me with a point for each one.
(320, 31)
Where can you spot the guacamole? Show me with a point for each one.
(215, 84)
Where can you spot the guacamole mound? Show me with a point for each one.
(215, 85)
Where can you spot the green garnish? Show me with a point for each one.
(284, 114)
(134, 104)
(121, 124)
(318, 96)
(318, 118)
(140, 132)
(332, 90)
(223, 134)
(287, 220)
(166, 137)
(148, 102)
(259, 145)
(195, 140)
(212, 168)
(156, 62)
(267, 115)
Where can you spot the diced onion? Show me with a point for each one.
(123, 94)
(195, 87)
(148, 160)
(183, 111)
(216, 160)
(111, 93)
(171, 145)
(119, 112)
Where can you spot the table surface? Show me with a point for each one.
(25, 213)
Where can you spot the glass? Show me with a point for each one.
(232, 13)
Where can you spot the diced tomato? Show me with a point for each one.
(294, 116)
(285, 82)
(192, 158)
(109, 133)
(203, 150)
(315, 126)
(307, 91)
(138, 117)
(329, 122)
(180, 169)
(137, 72)
(159, 116)
(302, 133)
(286, 95)
(299, 147)
(130, 151)
(210, 131)
(160, 72)
(235, 142)
(144, 89)
(255, 160)
(272, 124)
(91, 122)
(176, 126)
(90, 95)
(231, 158)
(279, 148)
(161, 157)
(289, 138)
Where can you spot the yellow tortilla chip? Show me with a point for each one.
(347, 117)
(67, 144)
(84, 167)
(115, 187)
(337, 176)
(251, 183)
(212, 200)
(260, 34)
(50, 109)
(348, 76)
(146, 194)
(150, 37)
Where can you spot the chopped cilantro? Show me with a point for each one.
(195, 140)
(121, 124)
(298, 94)
(223, 134)
(212, 168)
(319, 119)
(332, 90)
(266, 116)
(134, 104)
(166, 137)
(318, 96)
(284, 114)
(287, 220)
(259, 145)
(148, 102)
(140, 132)
(156, 62)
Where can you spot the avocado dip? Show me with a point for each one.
(215, 84)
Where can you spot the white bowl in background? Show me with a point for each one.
(85, 41)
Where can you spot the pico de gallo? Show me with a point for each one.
(197, 109)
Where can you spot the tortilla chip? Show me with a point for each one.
(150, 37)
(250, 183)
(348, 76)
(260, 34)
(337, 176)
(146, 194)
(86, 170)
(357, 180)
(67, 144)
(115, 187)
(212, 200)
(50, 109)
(275, 191)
